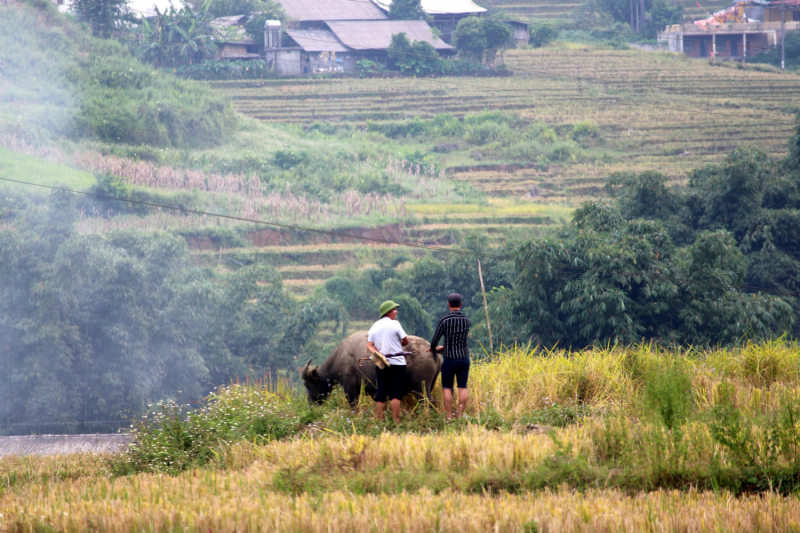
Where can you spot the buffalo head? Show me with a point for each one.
(318, 388)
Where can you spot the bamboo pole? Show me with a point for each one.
(486, 308)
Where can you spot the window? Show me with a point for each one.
(688, 45)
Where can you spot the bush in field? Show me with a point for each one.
(542, 35)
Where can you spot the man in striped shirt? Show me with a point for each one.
(454, 327)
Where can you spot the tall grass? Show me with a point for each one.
(662, 441)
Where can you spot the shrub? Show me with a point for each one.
(288, 159)
(225, 70)
(668, 392)
(542, 35)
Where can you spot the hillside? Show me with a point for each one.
(560, 11)
(580, 113)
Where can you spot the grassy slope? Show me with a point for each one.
(18, 166)
(348, 472)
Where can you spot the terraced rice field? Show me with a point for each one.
(654, 111)
(305, 266)
(561, 11)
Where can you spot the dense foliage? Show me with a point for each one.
(791, 55)
(480, 39)
(227, 8)
(104, 16)
(178, 37)
(94, 327)
(406, 10)
(616, 15)
(542, 34)
(62, 82)
(418, 58)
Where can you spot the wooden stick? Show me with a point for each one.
(486, 307)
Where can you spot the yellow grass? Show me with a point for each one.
(242, 495)
(494, 207)
(522, 380)
(241, 505)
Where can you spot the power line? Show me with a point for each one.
(420, 245)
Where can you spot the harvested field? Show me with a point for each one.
(653, 111)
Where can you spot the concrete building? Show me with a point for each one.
(738, 32)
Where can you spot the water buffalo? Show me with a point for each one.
(341, 367)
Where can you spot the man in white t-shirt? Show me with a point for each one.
(386, 337)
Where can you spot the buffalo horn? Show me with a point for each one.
(304, 372)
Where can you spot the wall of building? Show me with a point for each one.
(286, 62)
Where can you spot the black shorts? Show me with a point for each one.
(391, 383)
(455, 370)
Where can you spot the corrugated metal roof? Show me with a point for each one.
(377, 35)
(442, 7)
(317, 41)
(332, 10)
(236, 20)
(61, 444)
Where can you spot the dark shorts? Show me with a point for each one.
(455, 370)
(391, 383)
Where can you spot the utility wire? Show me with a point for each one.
(409, 244)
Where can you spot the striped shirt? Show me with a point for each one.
(454, 327)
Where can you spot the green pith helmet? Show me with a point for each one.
(387, 306)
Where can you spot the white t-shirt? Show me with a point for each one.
(386, 334)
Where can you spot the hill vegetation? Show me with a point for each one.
(60, 82)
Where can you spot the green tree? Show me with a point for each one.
(470, 39)
(105, 16)
(418, 58)
(498, 36)
(613, 280)
(95, 327)
(406, 10)
(482, 38)
(542, 35)
(229, 8)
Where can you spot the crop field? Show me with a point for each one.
(632, 439)
(560, 11)
(653, 111)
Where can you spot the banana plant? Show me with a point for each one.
(178, 37)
